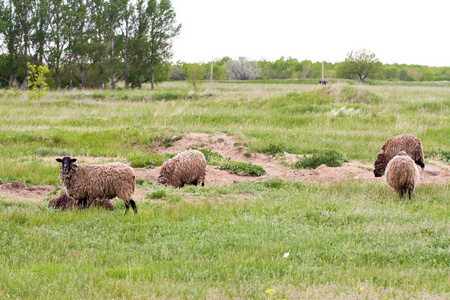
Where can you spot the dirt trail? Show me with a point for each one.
(230, 146)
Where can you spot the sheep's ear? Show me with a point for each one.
(59, 160)
(74, 159)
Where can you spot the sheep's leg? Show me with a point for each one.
(409, 194)
(133, 205)
(82, 202)
(127, 207)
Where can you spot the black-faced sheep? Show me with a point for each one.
(84, 181)
(64, 202)
(188, 167)
(405, 142)
(402, 174)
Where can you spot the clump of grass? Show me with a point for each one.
(330, 158)
(52, 151)
(157, 195)
(168, 96)
(167, 142)
(147, 160)
(440, 155)
(274, 149)
(242, 168)
(275, 183)
(212, 158)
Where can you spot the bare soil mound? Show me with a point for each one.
(231, 146)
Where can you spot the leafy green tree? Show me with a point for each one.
(391, 73)
(195, 74)
(10, 35)
(36, 81)
(404, 76)
(361, 64)
(150, 44)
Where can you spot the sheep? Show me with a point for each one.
(402, 174)
(84, 181)
(405, 142)
(188, 167)
(64, 202)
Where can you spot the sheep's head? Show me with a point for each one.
(380, 165)
(66, 163)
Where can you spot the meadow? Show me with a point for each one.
(351, 239)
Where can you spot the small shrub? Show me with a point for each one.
(140, 181)
(97, 95)
(275, 183)
(242, 168)
(273, 149)
(147, 160)
(330, 158)
(157, 195)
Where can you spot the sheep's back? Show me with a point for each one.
(101, 181)
(187, 167)
(405, 142)
(402, 173)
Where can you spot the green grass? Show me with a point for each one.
(346, 240)
(341, 238)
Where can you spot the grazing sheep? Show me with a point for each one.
(64, 202)
(405, 142)
(188, 167)
(402, 174)
(84, 181)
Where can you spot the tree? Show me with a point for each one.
(150, 42)
(362, 64)
(242, 69)
(195, 74)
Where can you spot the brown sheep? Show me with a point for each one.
(84, 181)
(64, 202)
(188, 167)
(402, 174)
(405, 142)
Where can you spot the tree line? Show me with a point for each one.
(360, 65)
(87, 43)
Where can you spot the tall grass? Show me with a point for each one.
(349, 240)
(301, 119)
(353, 239)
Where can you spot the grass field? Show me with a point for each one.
(348, 240)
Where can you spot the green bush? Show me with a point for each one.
(242, 168)
(330, 158)
(274, 149)
(147, 160)
(157, 195)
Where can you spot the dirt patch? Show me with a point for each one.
(21, 192)
(231, 146)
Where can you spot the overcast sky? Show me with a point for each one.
(397, 31)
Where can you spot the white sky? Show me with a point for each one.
(396, 31)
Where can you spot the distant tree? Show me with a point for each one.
(195, 74)
(391, 73)
(242, 69)
(362, 64)
(404, 76)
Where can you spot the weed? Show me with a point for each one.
(242, 168)
(330, 158)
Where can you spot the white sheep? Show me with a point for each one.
(402, 174)
(85, 181)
